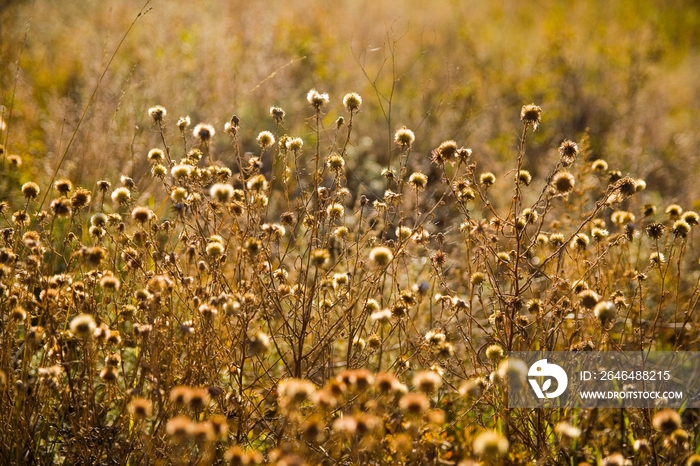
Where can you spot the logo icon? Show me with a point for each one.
(542, 368)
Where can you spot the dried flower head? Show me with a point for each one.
(277, 114)
(82, 325)
(265, 139)
(181, 171)
(61, 207)
(335, 163)
(381, 256)
(667, 421)
(568, 150)
(293, 392)
(605, 311)
(317, 99)
(490, 444)
(531, 114)
(63, 187)
(563, 182)
(414, 403)
(352, 102)
(157, 113)
(183, 123)
(121, 196)
(444, 152)
(294, 144)
(494, 353)
(204, 132)
(221, 192)
(690, 217)
(674, 211)
(524, 177)
(320, 257)
(404, 138)
(599, 166)
(680, 229)
(427, 381)
(418, 180)
(140, 408)
(487, 179)
(30, 190)
(655, 230)
(142, 214)
(567, 430)
(110, 282)
(156, 155)
(589, 298)
(257, 183)
(81, 198)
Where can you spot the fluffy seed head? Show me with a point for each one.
(121, 196)
(258, 343)
(589, 298)
(82, 325)
(599, 166)
(221, 192)
(487, 179)
(204, 132)
(61, 207)
(156, 155)
(605, 311)
(265, 139)
(568, 151)
(404, 137)
(30, 190)
(563, 182)
(680, 228)
(257, 183)
(214, 249)
(294, 144)
(494, 353)
(427, 381)
(140, 408)
(414, 403)
(277, 114)
(381, 256)
(183, 123)
(666, 421)
(418, 180)
(531, 114)
(63, 187)
(335, 211)
(352, 102)
(579, 242)
(490, 444)
(320, 257)
(142, 214)
(477, 278)
(444, 152)
(690, 217)
(157, 113)
(674, 211)
(317, 99)
(294, 392)
(525, 177)
(110, 282)
(383, 316)
(335, 163)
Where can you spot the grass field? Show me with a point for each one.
(303, 233)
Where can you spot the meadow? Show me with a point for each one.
(302, 233)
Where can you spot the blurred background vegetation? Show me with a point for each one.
(626, 70)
